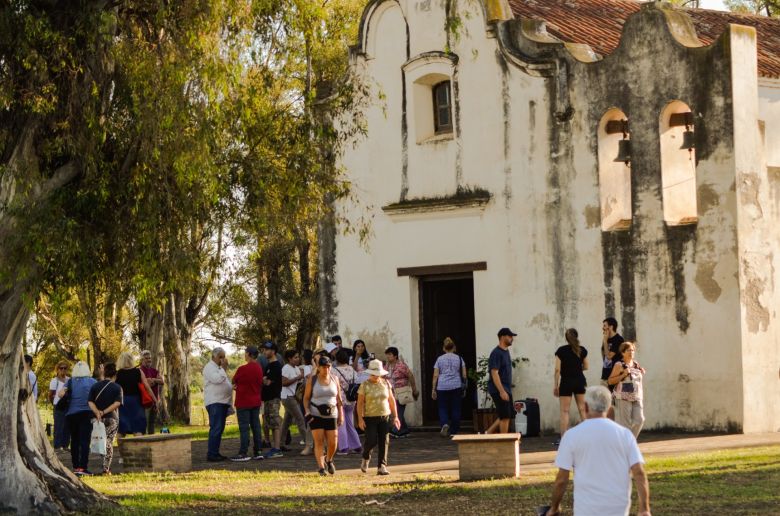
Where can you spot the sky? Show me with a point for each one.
(713, 4)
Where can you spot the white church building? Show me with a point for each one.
(545, 164)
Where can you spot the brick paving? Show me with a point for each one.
(427, 452)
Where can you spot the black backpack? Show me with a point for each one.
(351, 392)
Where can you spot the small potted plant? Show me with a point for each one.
(486, 416)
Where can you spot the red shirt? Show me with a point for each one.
(249, 384)
(151, 372)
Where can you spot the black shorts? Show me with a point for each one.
(323, 423)
(504, 409)
(572, 386)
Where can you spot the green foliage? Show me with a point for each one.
(762, 7)
(480, 375)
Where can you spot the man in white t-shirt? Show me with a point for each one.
(601, 453)
(292, 375)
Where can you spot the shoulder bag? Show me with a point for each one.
(146, 400)
(64, 402)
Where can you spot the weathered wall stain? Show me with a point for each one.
(506, 111)
(541, 321)
(592, 217)
(677, 239)
(757, 313)
(705, 280)
(708, 198)
(750, 184)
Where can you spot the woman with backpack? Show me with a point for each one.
(349, 441)
(324, 413)
(571, 360)
(449, 378)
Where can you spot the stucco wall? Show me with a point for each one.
(549, 265)
(769, 112)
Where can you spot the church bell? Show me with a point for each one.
(688, 140)
(624, 151)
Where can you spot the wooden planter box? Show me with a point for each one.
(488, 456)
(158, 452)
(483, 418)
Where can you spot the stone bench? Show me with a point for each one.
(482, 456)
(158, 452)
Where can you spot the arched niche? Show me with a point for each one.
(614, 176)
(384, 25)
(678, 165)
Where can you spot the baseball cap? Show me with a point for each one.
(252, 351)
(506, 331)
(269, 345)
(330, 347)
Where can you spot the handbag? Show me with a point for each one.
(64, 402)
(98, 438)
(146, 400)
(404, 395)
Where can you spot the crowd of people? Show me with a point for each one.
(121, 395)
(331, 394)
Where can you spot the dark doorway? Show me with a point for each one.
(446, 310)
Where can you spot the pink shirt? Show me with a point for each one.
(399, 374)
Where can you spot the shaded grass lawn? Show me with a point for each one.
(741, 481)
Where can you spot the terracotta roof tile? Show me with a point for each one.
(599, 23)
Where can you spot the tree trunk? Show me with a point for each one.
(32, 479)
(151, 331)
(177, 344)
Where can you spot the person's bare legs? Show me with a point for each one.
(277, 438)
(332, 438)
(564, 416)
(504, 425)
(580, 400)
(319, 438)
(492, 429)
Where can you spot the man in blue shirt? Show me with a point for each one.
(500, 384)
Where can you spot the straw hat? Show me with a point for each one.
(376, 368)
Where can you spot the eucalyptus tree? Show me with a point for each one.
(111, 131)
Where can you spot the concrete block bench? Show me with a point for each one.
(482, 456)
(158, 452)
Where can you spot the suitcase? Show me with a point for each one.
(527, 419)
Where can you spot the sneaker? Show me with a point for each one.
(274, 453)
(556, 443)
(302, 443)
(307, 451)
(331, 467)
(78, 471)
(445, 430)
(241, 457)
(83, 472)
(321, 471)
(342, 452)
(364, 465)
(258, 456)
(382, 471)
(218, 458)
(357, 450)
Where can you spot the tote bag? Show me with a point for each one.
(98, 439)
(404, 395)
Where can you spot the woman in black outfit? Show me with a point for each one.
(570, 363)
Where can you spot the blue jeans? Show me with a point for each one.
(217, 416)
(449, 408)
(404, 427)
(249, 418)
